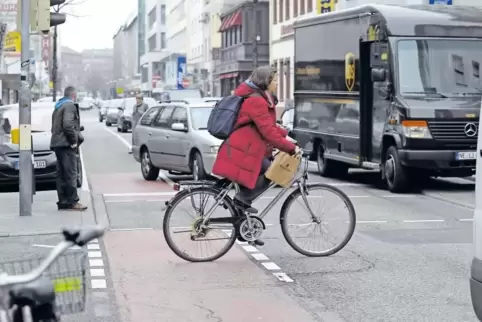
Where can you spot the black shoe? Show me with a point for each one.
(62, 206)
(244, 207)
(259, 242)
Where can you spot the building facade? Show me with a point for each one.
(97, 66)
(177, 38)
(125, 60)
(244, 44)
(71, 67)
(283, 14)
(152, 68)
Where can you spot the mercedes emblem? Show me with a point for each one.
(470, 130)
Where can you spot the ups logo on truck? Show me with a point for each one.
(350, 71)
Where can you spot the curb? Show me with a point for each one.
(99, 209)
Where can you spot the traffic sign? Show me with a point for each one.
(185, 83)
(445, 2)
(13, 42)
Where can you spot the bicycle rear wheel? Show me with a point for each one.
(317, 192)
(199, 201)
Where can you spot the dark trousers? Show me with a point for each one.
(246, 195)
(66, 176)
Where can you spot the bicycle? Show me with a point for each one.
(243, 226)
(46, 292)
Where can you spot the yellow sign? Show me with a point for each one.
(67, 284)
(119, 90)
(15, 136)
(350, 71)
(325, 6)
(13, 42)
(372, 33)
(51, 84)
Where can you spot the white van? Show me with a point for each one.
(476, 269)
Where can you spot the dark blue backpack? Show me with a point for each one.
(223, 117)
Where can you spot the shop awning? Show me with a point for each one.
(229, 75)
(235, 19)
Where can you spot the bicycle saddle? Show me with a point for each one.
(33, 294)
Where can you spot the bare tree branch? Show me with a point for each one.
(76, 16)
(72, 3)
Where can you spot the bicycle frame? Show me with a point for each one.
(6, 281)
(300, 180)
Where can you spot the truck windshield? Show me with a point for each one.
(439, 68)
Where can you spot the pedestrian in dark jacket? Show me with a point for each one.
(247, 154)
(139, 109)
(65, 142)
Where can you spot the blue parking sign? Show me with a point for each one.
(445, 2)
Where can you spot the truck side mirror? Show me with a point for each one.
(379, 75)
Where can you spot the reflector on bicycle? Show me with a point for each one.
(176, 187)
(68, 284)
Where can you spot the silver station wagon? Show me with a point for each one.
(173, 136)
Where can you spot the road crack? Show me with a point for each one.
(211, 315)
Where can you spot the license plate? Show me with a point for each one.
(41, 164)
(465, 155)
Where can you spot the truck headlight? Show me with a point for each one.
(214, 149)
(416, 129)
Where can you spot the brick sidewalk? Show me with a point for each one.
(45, 219)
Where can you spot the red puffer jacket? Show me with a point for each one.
(239, 158)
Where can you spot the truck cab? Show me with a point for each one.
(398, 90)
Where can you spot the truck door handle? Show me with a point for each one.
(150, 133)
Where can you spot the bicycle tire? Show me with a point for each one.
(284, 212)
(169, 211)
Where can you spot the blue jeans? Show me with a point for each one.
(246, 195)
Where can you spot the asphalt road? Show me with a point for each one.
(408, 260)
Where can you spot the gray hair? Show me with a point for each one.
(69, 91)
(263, 76)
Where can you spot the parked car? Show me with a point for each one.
(45, 161)
(174, 137)
(86, 103)
(112, 111)
(179, 95)
(103, 107)
(124, 116)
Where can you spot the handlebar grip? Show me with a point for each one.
(82, 236)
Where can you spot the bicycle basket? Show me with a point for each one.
(67, 274)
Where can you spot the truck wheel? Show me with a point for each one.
(395, 174)
(330, 168)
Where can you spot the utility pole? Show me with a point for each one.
(256, 37)
(25, 117)
(54, 66)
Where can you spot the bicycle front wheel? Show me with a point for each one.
(182, 230)
(296, 218)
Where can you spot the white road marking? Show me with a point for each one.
(162, 175)
(283, 277)
(270, 266)
(399, 196)
(260, 257)
(97, 272)
(95, 254)
(250, 249)
(96, 262)
(99, 283)
(85, 182)
(423, 220)
(467, 219)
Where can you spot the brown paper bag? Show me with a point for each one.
(283, 169)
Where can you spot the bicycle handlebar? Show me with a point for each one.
(72, 237)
